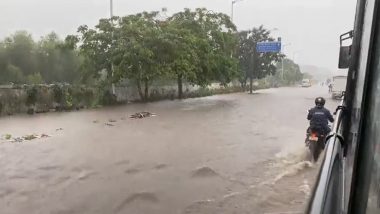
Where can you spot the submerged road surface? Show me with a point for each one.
(235, 153)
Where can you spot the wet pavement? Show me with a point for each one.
(235, 153)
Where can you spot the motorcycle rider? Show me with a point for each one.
(319, 117)
(330, 87)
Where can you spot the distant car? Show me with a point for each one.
(306, 83)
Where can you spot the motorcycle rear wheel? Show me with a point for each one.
(315, 150)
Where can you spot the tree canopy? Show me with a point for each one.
(291, 74)
(193, 46)
(23, 60)
(197, 47)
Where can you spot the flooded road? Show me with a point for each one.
(235, 153)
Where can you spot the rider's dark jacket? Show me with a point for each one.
(319, 117)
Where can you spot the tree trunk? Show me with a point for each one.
(146, 92)
(140, 90)
(180, 89)
(245, 83)
(242, 86)
(250, 85)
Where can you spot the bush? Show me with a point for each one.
(57, 94)
(88, 97)
(44, 99)
(82, 97)
(31, 95)
(35, 78)
(68, 99)
(12, 101)
(202, 92)
(41, 98)
(104, 95)
(63, 97)
(107, 98)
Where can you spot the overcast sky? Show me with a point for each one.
(312, 27)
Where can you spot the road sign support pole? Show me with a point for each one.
(251, 73)
(267, 47)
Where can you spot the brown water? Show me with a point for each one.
(235, 153)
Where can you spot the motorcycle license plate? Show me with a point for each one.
(313, 138)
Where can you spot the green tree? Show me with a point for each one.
(255, 65)
(58, 60)
(307, 76)
(20, 51)
(97, 48)
(138, 54)
(181, 56)
(194, 46)
(8, 72)
(3, 64)
(48, 56)
(13, 74)
(291, 74)
(204, 48)
(23, 59)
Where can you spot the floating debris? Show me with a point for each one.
(26, 138)
(17, 140)
(85, 174)
(44, 135)
(160, 166)
(30, 137)
(142, 114)
(132, 171)
(111, 120)
(59, 129)
(109, 124)
(8, 136)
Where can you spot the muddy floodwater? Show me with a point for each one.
(235, 153)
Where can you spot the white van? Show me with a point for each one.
(306, 83)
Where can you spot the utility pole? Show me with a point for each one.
(112, 69)
(232, 8)
(252, 70)
(111, 8)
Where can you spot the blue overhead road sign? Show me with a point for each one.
(265, 47)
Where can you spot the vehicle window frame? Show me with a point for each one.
(362, 165)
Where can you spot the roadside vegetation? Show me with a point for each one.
(193, 47)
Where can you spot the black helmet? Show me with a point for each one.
(320, 101)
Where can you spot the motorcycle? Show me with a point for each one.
(315, 141)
